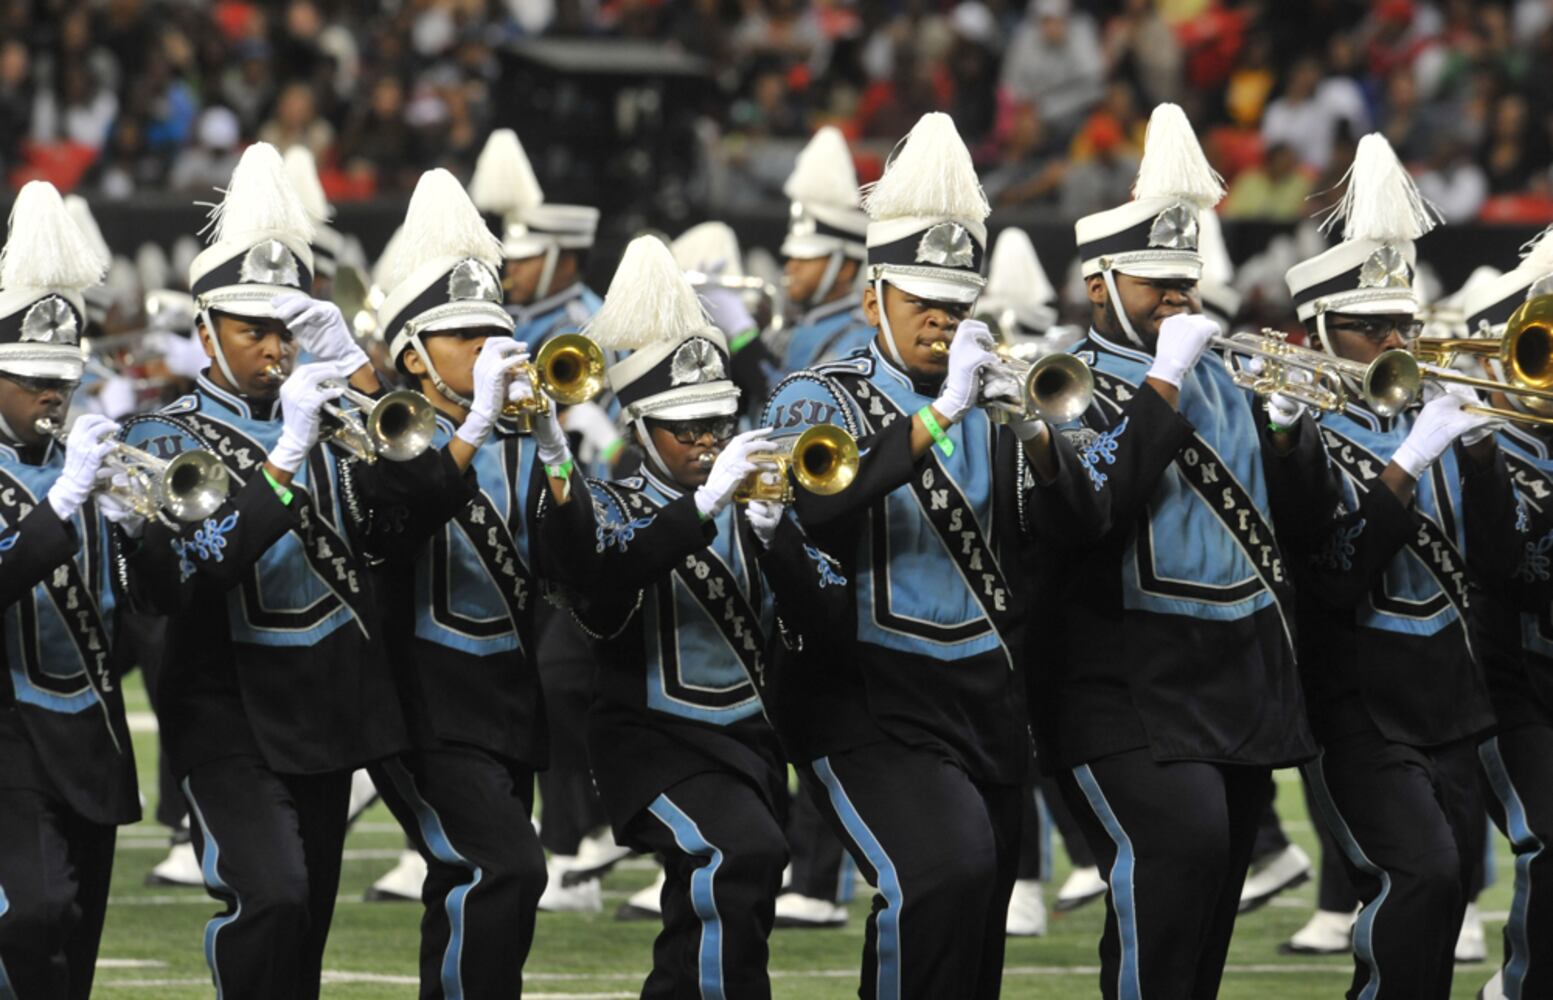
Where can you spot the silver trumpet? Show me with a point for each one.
(1055, 387)
(1388, 385)
(189, 486)
(398, 426)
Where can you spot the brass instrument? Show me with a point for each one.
(397, 426)
(1055, 387)
(823, 459)
(1388, 384)
(189, 486)
(743, 283)
(569, 369)
(1524, 353)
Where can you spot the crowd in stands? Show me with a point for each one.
(123, 96)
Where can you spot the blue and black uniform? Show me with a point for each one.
(828, 332)
(67, 772)
(1174, 689)
(905, 705)
(685, 761)
(275, 685)
(567, 311)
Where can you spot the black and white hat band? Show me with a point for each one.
(269, 262)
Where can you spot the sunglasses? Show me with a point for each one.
(41, 385)
(1376, 331)
(691, 431)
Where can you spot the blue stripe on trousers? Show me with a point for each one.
(888, 920)
(1528, 846)
(7, 991)
(1123, 897)
(209, 859)
(703, 898)
(1364, 927)
(441, 847)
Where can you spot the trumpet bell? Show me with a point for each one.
(1528, 350)
(1391, 382)
(1059, 387)
(825, 459)
(571, 369)
(401, 425)
(194, 485)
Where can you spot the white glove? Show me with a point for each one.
(730, 469)
(727, 309)
(85, 449)
(184, 355)
(320, 328)
(1441, 422)
(969, 353)
(493, 370)
(554, 449)
(764, 516)
(1284, 411)
(117, 511)
(592, 421)
(302, 400)
(116, 398)
(1182, 340)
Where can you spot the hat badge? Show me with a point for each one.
(802, 223)
(947, 244)
(1385, 268)
(270, 263)
(1175, 228)
(694, 362)
(472, 280)
(50, 321)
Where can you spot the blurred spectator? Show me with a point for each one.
(1251, 82)
(209, 163)
(1309, 114)
(80, 110)
(377, 141)
(1141, 47)
(1402, 118)
(1027, 173)
(295, 122)
(1105, 179)
(1453, 182)
(15, 100)
(1510, 155)
(973, 69)
(1273, 192)
(1055, 60)
(247, 86)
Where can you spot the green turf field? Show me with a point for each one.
(152, 945)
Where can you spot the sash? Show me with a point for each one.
(1535, 486)
(1430, 544)
(945, 508)
(325, 548)
(75, 600)
(1200, 465)
(491, 537)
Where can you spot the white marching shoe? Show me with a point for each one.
(1494, 988)
(596, 855)
(1271, 875)
(180, 867)
(1026, 910)
(402, 884)
(585, 896)
(1083, 886)
(644, 904)
(795, 910)
(1326, 933)
(1471, 943)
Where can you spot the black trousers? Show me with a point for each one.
(1035, 841)
(269, 846)
(55, 867)
(1409, 823)
(1519, 766)
(1174, 842)
(468, 814)
(818, 857)
(1073, 837)
(723, 853)
(941, 852)
(569, 804)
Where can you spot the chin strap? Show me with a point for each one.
(547, 273)
(1120, 311)
(436, 376)
(8, 431)
(645, 437)
(884, 327)
(215, 342)
(827, 280)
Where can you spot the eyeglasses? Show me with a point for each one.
(1379, 330)
(691, 431)
(41, 385)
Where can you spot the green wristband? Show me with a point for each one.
(562, 471)
(939, 437)
(740, 341)
(612, 449)
(281, 491)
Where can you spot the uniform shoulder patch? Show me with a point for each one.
(861, 363)
(807, 398)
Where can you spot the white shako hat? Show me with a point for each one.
(1156, 234)
(1371, 271)
(709, 244)
(504, 185)
(825, 218)
(1017, 284)
(46, 265)
(98, 298)
(261, 241)
(677, 368)
(327, 241)
(927, 229)
(440, 273)
(1488, 304)
(1220, 300)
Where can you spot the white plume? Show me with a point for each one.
(260, 199)
(1014, 272)
(1381, 202)
(824, 173)
(649, 300)
(81, 213)
(1217, 265)
(303, 171)
(930, 175)
(1173, 163)
(440, 222)
(708, 247)
(1537, 254)
(504, 180)
(45, 248)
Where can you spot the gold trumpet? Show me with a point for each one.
(397, 426)
(1056, 387)
(1524, 353)
(569, 369)
(1388, 384)
(190, 486)
(823, 460)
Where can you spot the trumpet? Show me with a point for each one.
(1388, 384)
(569, 368)
(189, 486)
(743, 283)
(1054, 387)
(1524, 353)
(823, 459)
(398, 426)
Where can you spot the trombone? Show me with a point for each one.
(1056, 387)
(569, 368)
(190, 486)
(823, 459)
(397, 426)
(1524, 353)
(1388, 385)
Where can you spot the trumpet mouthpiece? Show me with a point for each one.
(939, 348)
(706, 459)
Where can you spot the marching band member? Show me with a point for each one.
(908, 718)
(1175, 689)
(1395, 698)
(459, 621)
(275, 685)
(67, 771)
(328, 242)
(669, 589)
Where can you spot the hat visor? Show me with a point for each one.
(1183, 269)
(1403, 302)
(712, 399)
(471, 320)
(247, 301)
(811, 247)
(936, 289)
(63, 365)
